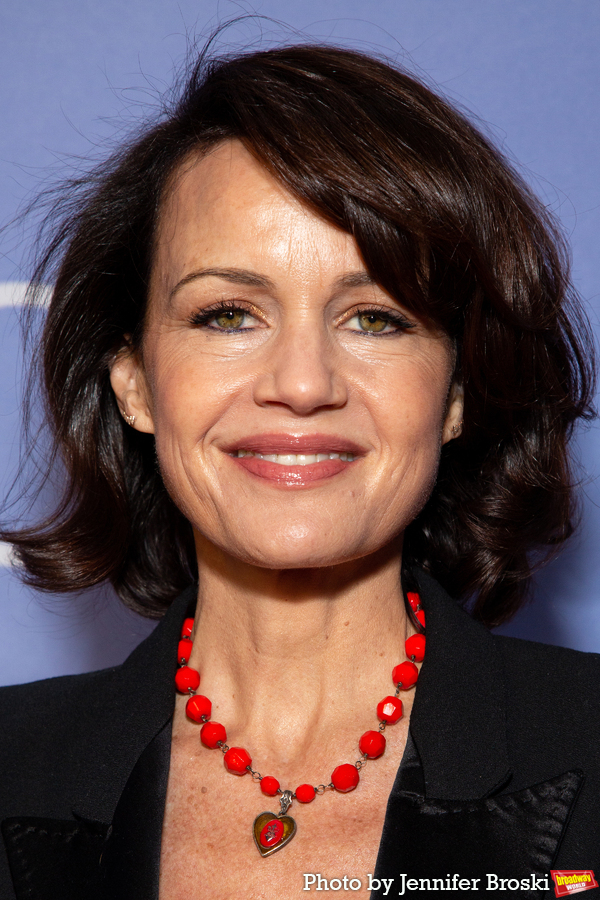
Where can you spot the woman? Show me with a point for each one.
(311, 352)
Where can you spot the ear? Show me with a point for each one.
(454, 413)
(130, 386)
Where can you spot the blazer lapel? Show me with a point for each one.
(458, 720)
(446, 814)
(131, 857)
(514, 836)
(53, 858)
(84, 860)
(141, 704)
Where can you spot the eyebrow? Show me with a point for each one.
(355, 279)
(234, 276)
(253, 279)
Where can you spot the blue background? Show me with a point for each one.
(76, 74)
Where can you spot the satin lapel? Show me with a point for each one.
(513, 836)
(51, 859)
(58, 859)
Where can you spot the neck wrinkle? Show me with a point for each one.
(285, 667)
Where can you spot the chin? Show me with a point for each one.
(299, 547)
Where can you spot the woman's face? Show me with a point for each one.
(298, 409)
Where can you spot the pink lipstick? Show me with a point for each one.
(295, 460)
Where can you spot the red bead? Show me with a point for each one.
(186, 679)
(405, 675)
(420, 614)
(269, 785)
(211, 733)
(187, 628)
(305, 793)
(184, 650)
(237, 760)
(345, 778)
(372, 744)
(415, 646)
(389, 710)
(198, 706)
(413, 599)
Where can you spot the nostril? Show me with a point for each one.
(302, 384)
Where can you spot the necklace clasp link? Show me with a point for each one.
(286, 801)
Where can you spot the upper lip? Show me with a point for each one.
(295, 443)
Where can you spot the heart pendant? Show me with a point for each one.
(272, 832)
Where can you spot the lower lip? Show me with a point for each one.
(292, 476)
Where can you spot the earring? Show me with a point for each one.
(456, 429)
(129, 419)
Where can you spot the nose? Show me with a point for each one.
(301, 371)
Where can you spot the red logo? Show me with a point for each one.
(572, 881)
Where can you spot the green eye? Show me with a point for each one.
(230, 318)
(372, 322)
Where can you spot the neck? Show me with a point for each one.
(275, 647)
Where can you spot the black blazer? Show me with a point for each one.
(501, 776)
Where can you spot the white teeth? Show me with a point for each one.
(296, 459)
(286, 459)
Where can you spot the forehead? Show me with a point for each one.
(226, 173)
(224, 208)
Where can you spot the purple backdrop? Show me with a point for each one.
(75, 74)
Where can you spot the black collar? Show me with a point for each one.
(458, 720)
(140, 703)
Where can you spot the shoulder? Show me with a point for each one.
(70, 743)
(59, 709)
(542, 702)
(42, 704)
(528, 666)
(46, 727)
(540, 669)
(552, 709)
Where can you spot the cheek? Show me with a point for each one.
(409, 411)
(195, 399)
(409, 404)
(186, 390)
(183, 399)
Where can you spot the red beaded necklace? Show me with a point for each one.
(272, 831)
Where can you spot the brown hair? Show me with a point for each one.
(443, 223)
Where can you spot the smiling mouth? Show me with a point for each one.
(295, 459)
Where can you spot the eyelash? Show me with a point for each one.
(386, 315)
(204, 317)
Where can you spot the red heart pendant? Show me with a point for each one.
(272, 832)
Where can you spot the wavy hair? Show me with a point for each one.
(444, 224)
